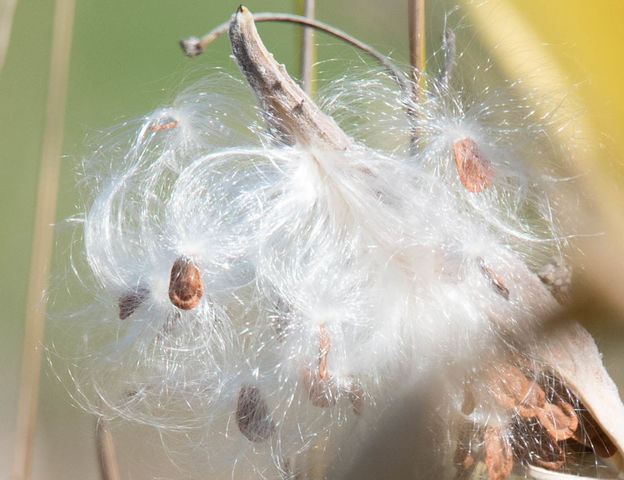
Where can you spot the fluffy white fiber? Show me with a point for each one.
(382, 252)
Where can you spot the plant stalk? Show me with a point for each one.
(42, 238)
(308, 49)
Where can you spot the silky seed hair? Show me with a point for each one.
(262, 302)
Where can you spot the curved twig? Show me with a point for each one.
(193, 46)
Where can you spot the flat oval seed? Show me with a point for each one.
(185, 285)
(474, 169)
(496, 282)
(512, 389)
(252, 414)
(560, 421)
(130, 301)
(498, 454)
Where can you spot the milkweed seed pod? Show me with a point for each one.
(271, 292)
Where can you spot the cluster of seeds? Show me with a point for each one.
(275, 289)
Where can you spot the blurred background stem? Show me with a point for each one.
(308, 47)
(42, 241)
(416, 33)
(6, 22)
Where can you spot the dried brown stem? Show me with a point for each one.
(193, 46)
(416, 32)
(308, 52)
(107, 458)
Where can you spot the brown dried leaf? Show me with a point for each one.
(252, 414)
(474, 169)
(512, 389)
(498, 454)
(185, 285)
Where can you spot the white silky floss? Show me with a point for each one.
(381, 252)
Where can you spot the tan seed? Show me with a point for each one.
(185, 285)
(496, 282)
(498, 454)
(474, 169)
(323, 392)
(512, 389)
(252, 415)
(560, 421)
(163, 125)
(324, 346)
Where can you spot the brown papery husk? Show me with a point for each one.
(571, 355)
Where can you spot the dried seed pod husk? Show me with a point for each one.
(185, 284)
(290, 114)
(498, 454)
(252, 414)
(475, 171)
(558, 278)
(130, 301)
(571, 355)
(591, 435)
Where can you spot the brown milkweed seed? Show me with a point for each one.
(498, 454)
(474, 169)
(324, 346)
(164, 125)
(130, 301)
(185, 285)
(496, 282)
(511, 389)
(560, 421)
(252, 414)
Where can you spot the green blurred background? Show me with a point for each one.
(125, 62)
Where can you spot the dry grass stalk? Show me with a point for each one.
(308, 50)
(42, 238)
(107, 458)
(6, 22)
